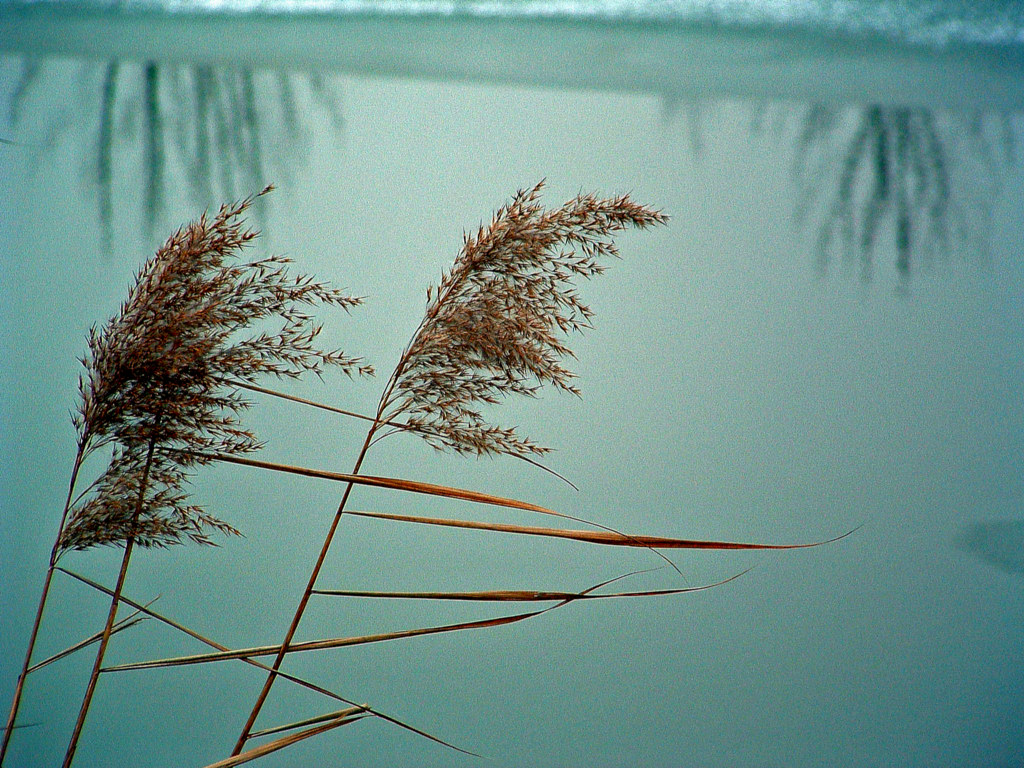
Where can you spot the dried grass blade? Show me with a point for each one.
(341, 713)
(592, 537)
(266, 668)
(304, 401)
(398, 425)
(145, 609)
(521, 595)
(394, 483)
(278, 744)
(340, 642)
(125, 623)
(321, 645)
(492, 596)
(415, 486)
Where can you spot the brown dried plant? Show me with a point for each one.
(164, 373)
(168, 400)
(493, 327)
(160, 389)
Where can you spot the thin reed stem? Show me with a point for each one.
(20, 685)
(155, 390)
(260, 665)
(121, 624)
(397, 426)
(37, 622)
(115, 602)
(304, 601)
(491, 329)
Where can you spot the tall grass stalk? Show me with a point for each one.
(157, 393)
(55, 552)
(493, 327)
(164, 387)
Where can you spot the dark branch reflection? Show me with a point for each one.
(902, 179)
(212, 133)
(999, 543)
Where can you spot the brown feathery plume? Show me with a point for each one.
(157, 389)
(157, 374)
(492, 328)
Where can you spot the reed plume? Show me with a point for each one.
(163, 391)
(160, 389)
(164, 373)
(493, 327)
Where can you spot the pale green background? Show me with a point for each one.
(737, 386)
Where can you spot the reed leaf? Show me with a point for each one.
(279, 744)
(393, 483)
(340, 642)
(253, 662)
(520, 595)
(341, 713)
(321, 645)
(159, 374)
(122, 624)
(614, 539)
(414, 486)
(397, 425)
(493, 327)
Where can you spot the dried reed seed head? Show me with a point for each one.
(113, 513)
(158, 375)
(495, 324)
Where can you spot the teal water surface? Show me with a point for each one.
(827, 336)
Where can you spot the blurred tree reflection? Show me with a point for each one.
(908, 176)
(877, 180)
(999, 543)
(212, 133)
